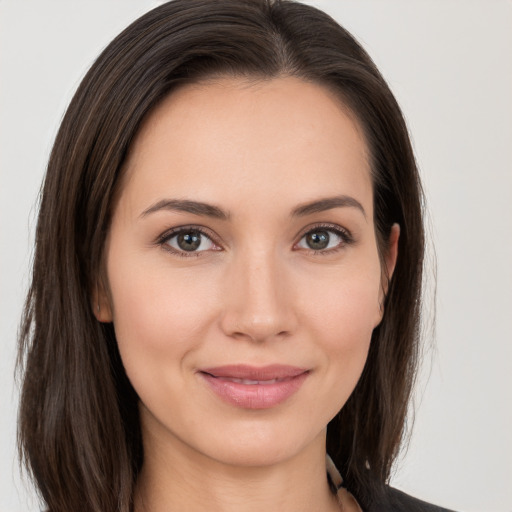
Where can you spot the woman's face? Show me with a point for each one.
(243, 275)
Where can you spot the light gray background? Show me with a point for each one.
(450, 65)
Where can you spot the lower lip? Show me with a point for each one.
(254, 396)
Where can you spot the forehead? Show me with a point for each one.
(233, 136)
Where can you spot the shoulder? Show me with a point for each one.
(394, 500)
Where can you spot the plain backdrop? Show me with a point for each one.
(450, 65)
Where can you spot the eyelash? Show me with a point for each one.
(344, 234)
(163, 239)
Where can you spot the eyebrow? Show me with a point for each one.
(185, 205)
(327, 203)
(209, 210)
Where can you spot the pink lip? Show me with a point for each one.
(251, 387)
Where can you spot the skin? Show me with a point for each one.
(255, 292)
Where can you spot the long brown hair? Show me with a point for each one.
(79, 432)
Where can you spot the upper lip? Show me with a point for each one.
(244, 371)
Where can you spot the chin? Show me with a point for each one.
(256, 455)
(259, 445)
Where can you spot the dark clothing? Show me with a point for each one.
(389, 499)
(397, 501)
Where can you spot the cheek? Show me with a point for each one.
(159, 315)
(344, 305)
(341, 321)
(349, 322)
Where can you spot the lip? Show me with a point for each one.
(251, 387)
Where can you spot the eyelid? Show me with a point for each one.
(168, 233)
(171, 232)
(342, 232)
(327, 226)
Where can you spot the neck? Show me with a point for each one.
(178, 478)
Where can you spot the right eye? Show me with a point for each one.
(189, 242)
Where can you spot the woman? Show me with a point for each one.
(227, 275)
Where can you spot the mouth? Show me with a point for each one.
(250, 387)
(249, 382)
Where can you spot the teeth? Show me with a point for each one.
(250, 382)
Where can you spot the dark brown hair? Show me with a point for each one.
(79, 432)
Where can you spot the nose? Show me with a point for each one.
(258, 302)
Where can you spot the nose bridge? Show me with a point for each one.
(258, 303)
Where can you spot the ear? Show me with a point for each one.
(392, 253)
(101, 304)
(389, 266)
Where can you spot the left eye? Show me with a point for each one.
(190, 240)
(320, 239)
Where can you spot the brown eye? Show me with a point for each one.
(324, 239)
(190, 240)
(317, 240)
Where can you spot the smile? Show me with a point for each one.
(249, 382)
(251, 387)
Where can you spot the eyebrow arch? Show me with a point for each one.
(209, 210)
(185, 205)
(327, 203)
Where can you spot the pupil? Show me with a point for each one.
(318, 240)
(189, 241)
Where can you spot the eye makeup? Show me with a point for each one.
(194, 240)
